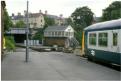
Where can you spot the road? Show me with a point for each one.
(53, 66)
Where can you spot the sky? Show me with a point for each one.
(57, 7)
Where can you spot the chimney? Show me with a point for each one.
(45, 12)
(61, 15)
(12, 14)
(19, 14)
(25, 12)
(40, 11)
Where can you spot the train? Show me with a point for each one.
(102, 42)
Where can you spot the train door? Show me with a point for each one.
(115, 41)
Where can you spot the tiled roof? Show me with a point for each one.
(34, 15)
(22, 16)
(16, 17)
(52, 16)
(56, 28)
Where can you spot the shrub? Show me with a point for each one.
(9, 43)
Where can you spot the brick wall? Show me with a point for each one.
(50, 41)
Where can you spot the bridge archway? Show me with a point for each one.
(19, 38)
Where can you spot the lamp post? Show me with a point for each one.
(27, 38)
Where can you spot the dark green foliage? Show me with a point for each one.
(20, 24)
(69, 21)
(9, 40)
(113, 11)
(80, 18)
(38, 35)
(10, 43)
(78, 36)
(7, 22)
(48, 21)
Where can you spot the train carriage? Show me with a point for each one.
(103, 41)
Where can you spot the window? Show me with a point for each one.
(49, 33)
(55, 33)
(59, 33)
(52, 33)
(103, 39)
(92, 39)
(66, 33)
(115, 39)
(62, 33)
(71, 33)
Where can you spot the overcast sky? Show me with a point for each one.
(57, 7)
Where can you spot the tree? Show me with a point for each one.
(20, 24)
(69, 21)
(82, 17)
(38, 35)
(48, 21)
(7, 21)
(9, 40)
(113, 11)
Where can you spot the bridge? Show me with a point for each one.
(18, 33)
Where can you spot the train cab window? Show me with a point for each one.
(103, 39)
(115, 39)
(92, 38)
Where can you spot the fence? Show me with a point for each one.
(32, 42)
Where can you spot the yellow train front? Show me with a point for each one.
(102, 42)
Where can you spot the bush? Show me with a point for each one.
(9, 43)
(38, 35)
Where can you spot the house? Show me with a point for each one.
(36, 20)
(58, 35)
(59, 20)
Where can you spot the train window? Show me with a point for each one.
(103, 39)
(114, 39)
(92, 38)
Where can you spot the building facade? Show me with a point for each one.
(59, 20)
(36, 20)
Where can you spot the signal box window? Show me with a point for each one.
(115, 39)
(103, 39)
(92, 39)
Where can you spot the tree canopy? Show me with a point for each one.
(113, 11)
(38, 35)
(20, 24)
(49, 21)
(82, 17)
(7, 21)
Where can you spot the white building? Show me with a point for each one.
(59, 35)
(59, 31)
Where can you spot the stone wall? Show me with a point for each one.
(50, 41)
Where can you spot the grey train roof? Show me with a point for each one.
(113, 24)
(56, 28)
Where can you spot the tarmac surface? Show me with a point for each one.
(53, 66)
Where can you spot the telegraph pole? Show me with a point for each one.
(27, 38)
